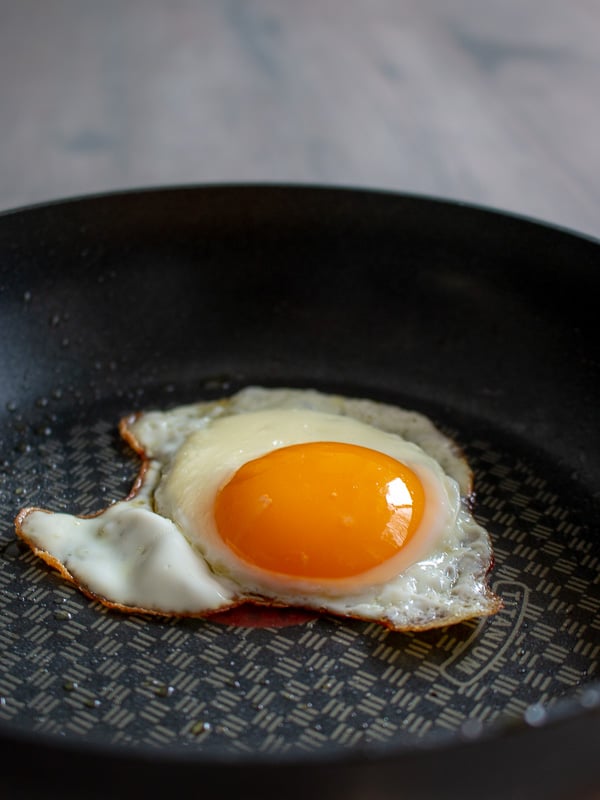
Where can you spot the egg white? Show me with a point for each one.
(158, 550)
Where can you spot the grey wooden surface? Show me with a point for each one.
(493, 102)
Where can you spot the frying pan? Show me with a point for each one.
(482, 320)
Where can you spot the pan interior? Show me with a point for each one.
(74, 669)
(149, 300)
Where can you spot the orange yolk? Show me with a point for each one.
(320, 510)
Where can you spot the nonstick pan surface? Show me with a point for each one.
(148, 299)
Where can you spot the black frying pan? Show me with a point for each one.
(484, 321)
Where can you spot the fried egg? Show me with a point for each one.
(283, 497)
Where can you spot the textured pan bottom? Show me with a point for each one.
(71, 668)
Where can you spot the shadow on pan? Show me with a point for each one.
(482, 320)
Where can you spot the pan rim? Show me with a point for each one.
(297, 187)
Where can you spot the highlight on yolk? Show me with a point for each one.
(320, 510)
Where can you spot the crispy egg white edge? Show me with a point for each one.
(171, 577)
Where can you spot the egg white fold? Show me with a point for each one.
(128, 555)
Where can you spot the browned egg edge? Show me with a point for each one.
(494, 602)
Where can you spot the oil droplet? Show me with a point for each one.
(201, 727)
(160, 689)
(70, 686)
(471, 728)
(63, 614)
(535, 715)
(92, 702)
(164, 690)
(590, 698)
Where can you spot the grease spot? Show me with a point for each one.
(251, 616)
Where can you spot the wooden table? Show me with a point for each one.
(495, 102)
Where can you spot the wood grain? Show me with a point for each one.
(491, 102)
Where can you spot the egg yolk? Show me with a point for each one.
(320, 510)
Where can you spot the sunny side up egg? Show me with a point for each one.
(283, 497)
